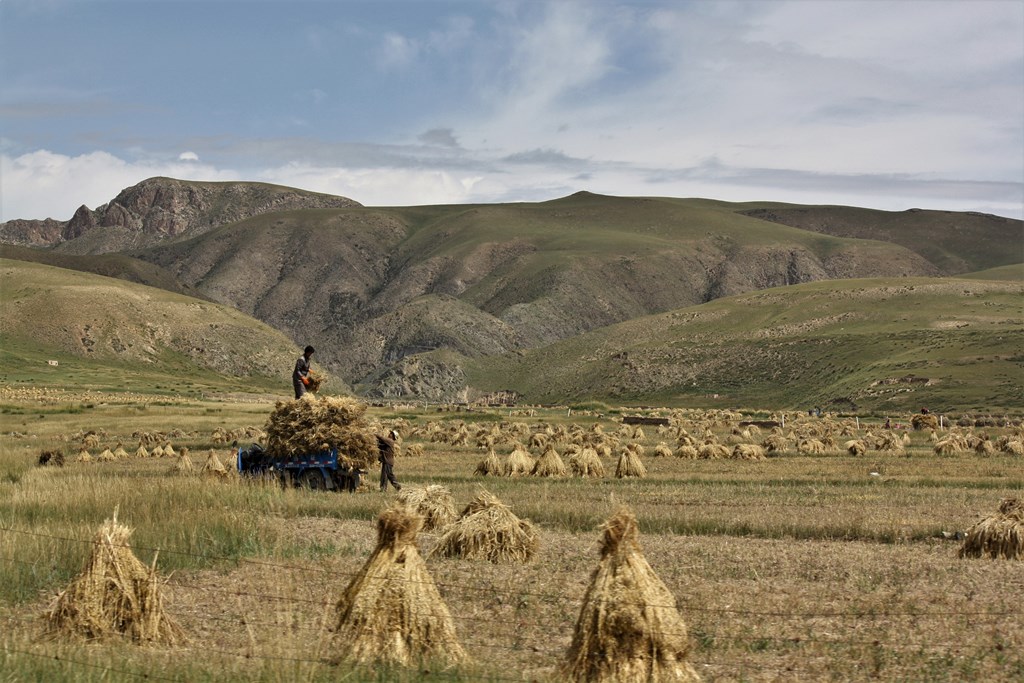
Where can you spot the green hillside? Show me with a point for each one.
(108, 334)
(953, 344)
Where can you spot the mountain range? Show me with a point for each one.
(441, 301)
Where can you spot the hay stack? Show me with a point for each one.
(713, 451)
(158, 452)
(434, 503)
(748, 451)
(490, 465)
(999, 535)
(141, 451)
(310, 425)
(629, 628)
(169, 450)
(855, 447)
(120, 453)
(115, 595)
(414, 450)
(519, 462)
(488, 530)
(106, 455)
(776, 443)
(586, 463)
(630, 464)
(662, 451)
(391, 612)
(687, 452)
(549, 464)
(213, 467)
(183, 465)
(83, 456)
(922, 421)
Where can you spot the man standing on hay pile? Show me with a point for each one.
(300, 375)
(386, 458)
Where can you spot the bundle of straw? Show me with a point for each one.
(630, 464)
(488, 529)
(183, 465)
(519, 461)
(999, 535)
(629, 628)
(585, 463)
(115, 595)
(391, 612)
(433, 502)
(213, 467)
(310, 425)
(748, 451)
(490, 465)
(549, 464)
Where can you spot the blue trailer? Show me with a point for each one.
(318, 471)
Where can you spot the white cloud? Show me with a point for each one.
(188, 156)
(43, 184)
(397, 51)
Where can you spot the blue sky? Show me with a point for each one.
(890, 105)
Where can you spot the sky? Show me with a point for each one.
(883, 104)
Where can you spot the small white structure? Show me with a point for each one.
(52, 362)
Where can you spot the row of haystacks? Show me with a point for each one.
(313, 425)
(391, 612)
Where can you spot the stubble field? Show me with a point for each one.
(796, 567)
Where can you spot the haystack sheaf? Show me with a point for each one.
(490, 465)
(549, 464)
(433, 502)
(998, 536)
(115, 595)
(311, 425)
(630, 464)
(391, 612)
(629, 628)
(586, 463)
(518, 462)
(487, 529)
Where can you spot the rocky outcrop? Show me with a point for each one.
(31, 233)
(163, 209)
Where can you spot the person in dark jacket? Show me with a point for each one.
(386, 457)
(300, 375)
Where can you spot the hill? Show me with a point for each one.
(107, 333)
(877, 344)
(379, 285)
(385, 292)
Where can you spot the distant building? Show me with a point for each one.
(52, 362)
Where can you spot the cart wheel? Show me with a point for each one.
(312, 479)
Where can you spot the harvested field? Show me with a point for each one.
(794, 567)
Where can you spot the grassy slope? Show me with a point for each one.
(956, 242)
(106, 333)
(797, 346)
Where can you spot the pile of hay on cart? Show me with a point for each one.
(313, 425)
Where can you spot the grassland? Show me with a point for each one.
(876, 345)
(826, 567)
